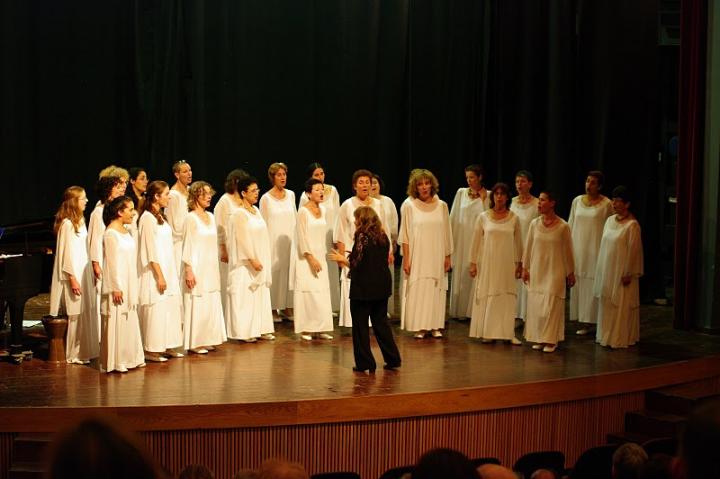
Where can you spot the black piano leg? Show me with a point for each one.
(17, 308)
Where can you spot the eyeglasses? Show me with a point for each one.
(254, 190)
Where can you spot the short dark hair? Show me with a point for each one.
(623, 193)
(104, 186)
(312, 167)
(111, 210)
(477, 169)
(444, 462)
(359, 174)
(501, 187)
(245, 182)
(525, 174)
(232, 179)
(598, 175)
(310, 183)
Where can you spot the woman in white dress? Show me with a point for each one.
(177, 209)
(203, 324)
(525, 206)
(72, 288)
(496, 263)
(426, 241)
(344, 234)
(548, 267)
(391, 224)
(249, 279)
(332, 206)
(587, 219)
(107, 189)
(160, 299)
(313, 313)
(228, 203)
(619, 267)
(120, 342)
(278, 209)
(466, 208)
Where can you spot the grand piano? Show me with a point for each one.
(26, 262)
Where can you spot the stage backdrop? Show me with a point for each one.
(558, 87)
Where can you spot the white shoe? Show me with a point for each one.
(515, 341)
(306, 337)
(199, 351)
(537, 347)
(549, 348)
(420, 335)
(173, 354)
(156, 359)
(436, 333)
(267, 336)
(76, 361)
(325, 336)
(249, 340)
(121, 369)
(583, 331)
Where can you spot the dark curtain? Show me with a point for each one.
(558, 87)
(691, 120)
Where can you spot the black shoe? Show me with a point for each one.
(391, 367)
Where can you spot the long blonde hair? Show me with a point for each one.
(70, 209)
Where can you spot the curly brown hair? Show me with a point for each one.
(422, 174)
(194, 192)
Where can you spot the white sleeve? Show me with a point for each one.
(148, 232)
(221, 213)
(301, 229)
(66, 261)
(111, 276)
(96, 230)
(173, 213)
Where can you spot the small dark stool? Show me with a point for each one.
(55, 328)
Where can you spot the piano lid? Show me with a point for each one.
(28, 237)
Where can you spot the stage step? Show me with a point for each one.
(654, 423)
(21, 470)
(29, 455)
(678, 401)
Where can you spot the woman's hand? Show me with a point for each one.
(571, 280)
(406, 265)
(223, 253)
(97, 271)
(315, 265)
(117, 297)
(256, 265)
(447, 263)
(526, 276)
(161, 283)
(473, 270)
(626, 280)
(518, 271)
(338, 257)
(75, 286)
(190, 281)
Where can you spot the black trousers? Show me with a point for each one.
(376, 310)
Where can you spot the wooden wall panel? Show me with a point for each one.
(6, 444)
(374, 446)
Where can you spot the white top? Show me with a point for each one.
(96, 230)
(156, 246)
(200, 252)
(548, 257)
(279, 215)
(586, 224)
(331, 202)
(224, 208)
(425, 228)
(496, 248)
(345, 226)
(621, 254)
(390, 217)
(526, 212)
(250, 240)
(463, 215)
(176, 213)
(71, 258)
(120, 268)
(311, 233)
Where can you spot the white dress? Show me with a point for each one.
(332, 206)
(496, 249)
(120, 343)
(391, 224)
(248, 303)
(96, 232)
(71, 258)
(313, 313)
(586, 224)
(425, 228)
(549, 259)
(160, 313)
(621, 254)
(203, 324)
(224, 208)
(526, 213)
(176, 214)
(463, 215)
(345, 233)
(280, 218)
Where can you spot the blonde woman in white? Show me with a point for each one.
(548, 268)
(249, 278)
(426, 241)
(313, 313)
(120, 342)
(177, 209)
(278, 209)
(204, 323)
(160, 298)
(466, 208)
(72, 288)
(331, 203)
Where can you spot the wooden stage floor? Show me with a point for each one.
(289, 369)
